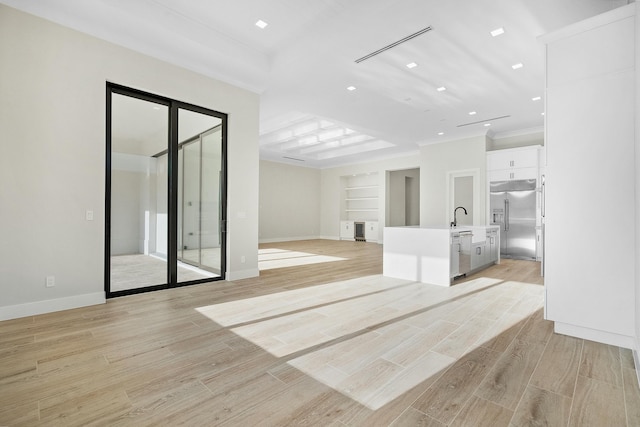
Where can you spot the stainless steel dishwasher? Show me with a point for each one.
(464, 262)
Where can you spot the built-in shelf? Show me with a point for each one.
(361, 187)
(359, 197)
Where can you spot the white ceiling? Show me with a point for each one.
(304, 60)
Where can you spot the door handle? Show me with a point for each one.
(542, 197)
(506, 214)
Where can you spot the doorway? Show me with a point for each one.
(403, 198)
(165, 193)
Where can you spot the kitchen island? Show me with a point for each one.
(438, 255)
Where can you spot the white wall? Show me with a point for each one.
(289, 202)
(52, 167)
(437, 160)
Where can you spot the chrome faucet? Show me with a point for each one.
(455, 219)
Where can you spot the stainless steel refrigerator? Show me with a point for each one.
(513, 208)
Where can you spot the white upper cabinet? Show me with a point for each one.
(510, 174)
(514, 163)
(515, 158)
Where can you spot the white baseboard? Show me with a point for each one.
(594, 335)
(636, 363)
(289, 239)
(241, 274)
(50, 306)
(329, 237)
(293, 239)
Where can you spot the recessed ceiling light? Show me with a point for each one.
(441, 89)
(497, 32)
(542, 113)
(412, 65)
(487, 124)
(517, 66)
(351, 88)
(156, 108)
(472, 113)
(440, 133)
(536, 98)
(261, 24)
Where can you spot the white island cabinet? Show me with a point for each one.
(437, 255)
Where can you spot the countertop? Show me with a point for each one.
(478, 231)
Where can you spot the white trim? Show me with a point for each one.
(594, 335)
(522, 132)
(614, 15)
(458, 137)
(329, 237)
(511, 150)
(50, 306)
(636, 364)
(289, 239)
(242, 274)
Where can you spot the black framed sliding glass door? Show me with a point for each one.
(165, 193)
(199, 204)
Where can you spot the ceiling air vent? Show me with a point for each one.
(394, 44)
(482, 121)
(293, 158)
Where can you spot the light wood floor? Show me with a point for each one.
(330, 343)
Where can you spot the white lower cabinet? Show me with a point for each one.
(371, 231)
(346, 230)
(478, 255)
(493, 246)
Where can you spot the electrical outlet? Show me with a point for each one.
(243, 259)
(89, 215)
(50, 281)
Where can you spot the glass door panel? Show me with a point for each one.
(200, 153)
(211, 214)
(190, 196)
(139, 202)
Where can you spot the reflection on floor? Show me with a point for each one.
(139, 271)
